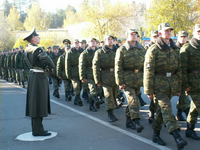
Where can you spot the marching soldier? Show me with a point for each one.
(129, 63)
(152, 106)
(162, 80)
(61, 74)
(104, 75)
(49, 52)
(183, 104)
(4, 65)
(56, 81)
(13, 65)
(86, 73)
(38, 97)
(72, 71)
(16, 70)
(190, 62)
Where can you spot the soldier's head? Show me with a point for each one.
(164, 30)
(115, 40)
(66, 41)
(11, 50)
(182, 37)
(154, 35)
(196, 31)
(55, 49)
(67, 47)
(132, 35)
(83, 44)
(92, 42)
(109, 40)
(97, 43)
(49, 48)
(17, 50)
(76, 43)
(21, 49)
(33, 37)
(102, 43)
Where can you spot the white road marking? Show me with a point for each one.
(135, 136)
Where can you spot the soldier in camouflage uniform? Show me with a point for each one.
(19, 66)
(86, 73)
(104, 75)
(183, 104)
(4, 65)
(13, 65)
(162, 80)
(152, 106)
(56, 81)
(72, 71)
(129, 63)
(16, 70)
(85, 85)
(49, 52)
(9, 64)
(190, 62)
(61, 74)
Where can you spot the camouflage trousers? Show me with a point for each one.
(153, 105)
(92, 87)
(164, 113)
(183, 102)
(21, 75)
(133, 105)
(77, 85)
(13, 74)
(67, 85)
(85, 87)
(194, 108)
(26, 73)
(110, 93)
(55, 84)
(17, 75)
(9, 73)
(4, 72)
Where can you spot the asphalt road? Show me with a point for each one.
(77, 127)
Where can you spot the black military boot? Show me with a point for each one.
(111, 117)
(142, 102)
(138, 127)
(179, 115)
(15, 81)
(96, 102)
(66, 96)
(57, 94)
(179, 141)
(151, 116)
(80, 101)
(101, 101)
(76, 101)
(92, 108)
(23, 84)
(191, 133)
(54, 93)
(69, 98)
(186, 112)
(156, 138)
(129, 123)
(85, 96)
(114, 115)
(19, 83)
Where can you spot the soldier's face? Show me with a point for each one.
(166, 34)
(182, 39)
(132, 37)
(76, 44)
(55, 51)
(97, 45)
(109, 41)
(93, 43)
(35, 40)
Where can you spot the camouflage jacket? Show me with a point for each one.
(13, 60)
(5, 61)
(61, 67)
(71, 63)
(190, 61)
(103, 65)
(149, 45)
(19, 60)
(129, 63)
(85, 64)
(162, 69)
(49, 53)
(9, 60)
(2, 60)
(55, 59)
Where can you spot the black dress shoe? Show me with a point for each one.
(45, 133)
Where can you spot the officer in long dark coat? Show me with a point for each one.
(38, 98)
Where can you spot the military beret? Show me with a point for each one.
(31, 34)
(107, 36)
(197, 27)
(55, 47)
(182, 33)
(131, 31)
(164, 26)
(83, 41)
(154, 33)
(66, 41)
(90, 39)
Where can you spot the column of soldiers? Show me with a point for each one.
(13, 67)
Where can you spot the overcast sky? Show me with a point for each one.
(51, 6)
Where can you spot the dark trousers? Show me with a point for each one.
(37, 126)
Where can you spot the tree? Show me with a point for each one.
(196, 10)
(20, 42)
(105, 18)
(36, 17)
(178, 13)
(13, 19)
(57, 18)
(6, 7)
(7, 38)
